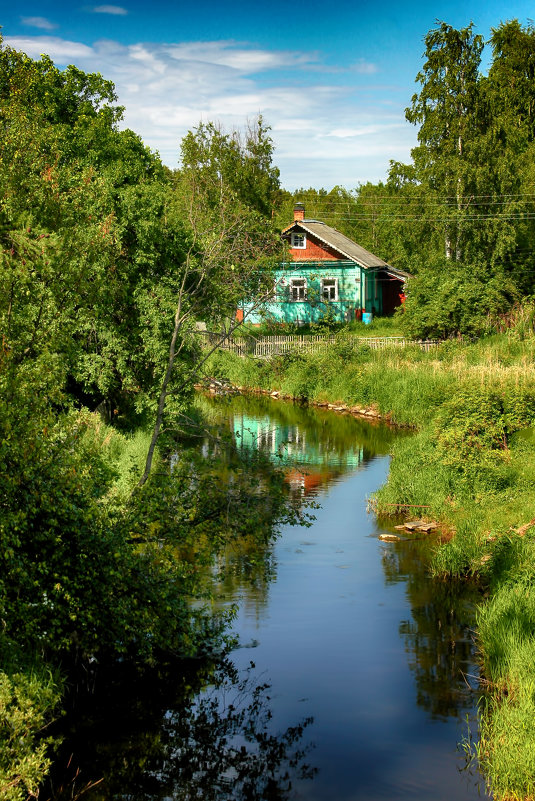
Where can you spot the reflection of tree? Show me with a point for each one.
(245, 569)
(224, 508)
(439, 638)
(217, 746)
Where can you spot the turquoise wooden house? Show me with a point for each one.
(328, 273)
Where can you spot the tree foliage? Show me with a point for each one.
(472, 172)
(105, 256)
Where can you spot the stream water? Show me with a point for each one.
(355, 676)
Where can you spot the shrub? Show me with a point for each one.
(27, 701)
(449, 299)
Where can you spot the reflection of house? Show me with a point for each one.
(328, 271)
(289, 445)
(308, 462)
(309, 479)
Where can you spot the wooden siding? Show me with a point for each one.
(352, 286)
(315, 251)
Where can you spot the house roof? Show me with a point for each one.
(334, 239)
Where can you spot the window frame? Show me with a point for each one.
(298, 240)
(334, 279)
(298, 283)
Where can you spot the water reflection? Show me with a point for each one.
(317, 447)
(183, 742)
(314, 446)
(439, 636)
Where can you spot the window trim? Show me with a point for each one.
(336, 287)
(302, 238)
(303, 284)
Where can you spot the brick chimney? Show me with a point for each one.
(299, 211)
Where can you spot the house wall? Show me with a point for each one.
(358, 289)
(314, 251)
(355, 291)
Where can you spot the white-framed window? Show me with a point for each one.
(266, 438)
(329, 288)
(299, 241)
(298, 289)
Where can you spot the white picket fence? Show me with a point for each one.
(268, 346)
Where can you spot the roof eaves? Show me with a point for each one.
(395, 272)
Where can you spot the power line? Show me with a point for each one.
(521, 216)
(401, 198)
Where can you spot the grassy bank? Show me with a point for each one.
(472, 462)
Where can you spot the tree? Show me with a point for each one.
(232, 244)
(508, 91)
(447, 299)
(239, 162)
(447, 108)
(472, 173)
(87, 269)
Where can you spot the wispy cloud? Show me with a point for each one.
(239, 56)
(326, 131)
(364, 130)
(38, 22)
(364, 67)
(60, 50)
(119, 11)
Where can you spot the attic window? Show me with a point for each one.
(299, 241)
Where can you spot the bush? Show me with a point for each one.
(448, 299)
(27, 701)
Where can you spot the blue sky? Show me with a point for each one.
(332, 79)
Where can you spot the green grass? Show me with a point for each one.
(379, 327)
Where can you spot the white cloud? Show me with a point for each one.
(38, 22)
(365, 130)
(325, 133)
(238, 56)
(116, 10)
(364, 67)
(60, 50)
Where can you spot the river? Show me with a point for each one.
(354, 678)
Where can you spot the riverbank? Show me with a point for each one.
(472, 462)
(217, 387)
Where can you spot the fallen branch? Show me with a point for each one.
(522, 530)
